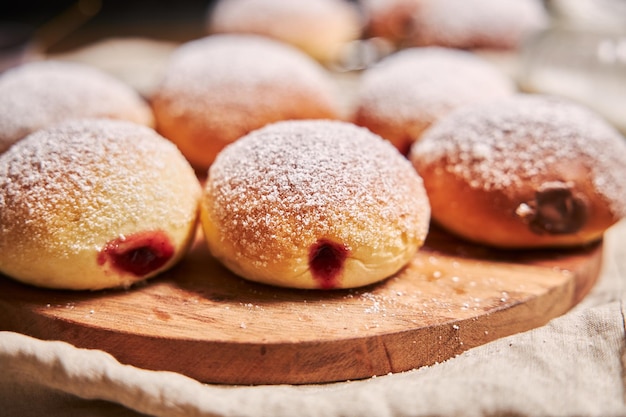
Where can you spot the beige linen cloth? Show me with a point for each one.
(573, 366)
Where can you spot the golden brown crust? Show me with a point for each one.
(392, 20)
(498, 219)
(463, 24)
(526, 172)
(408, 91)
(321, 28)
(83, 204)
(221, 87)
(401, 134)
(297, 197)
(202, 131)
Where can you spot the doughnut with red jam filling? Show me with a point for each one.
(94, 204)
(314, 204)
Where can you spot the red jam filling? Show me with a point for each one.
(138, 254)
(326, 261)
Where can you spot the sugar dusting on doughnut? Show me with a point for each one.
(314, 196)
(112, 197)
(466, 24)
(320, 28)
(540, 132)
(502, 24)
(223, 59)
(300, 177)
(40, 94)
(430, 80)
(544, 162)
(408, 91)
(218, 88)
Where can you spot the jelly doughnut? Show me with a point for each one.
(218, 88)
(93, 204)
(39, 94)
(524, 172)
(320, 28)
(409, 90)
(464, 24)
(314, 204)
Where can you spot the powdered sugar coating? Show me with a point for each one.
(68, 190)
(218, 88)
(233, 13)
(504, 144)
(477, 23)
(318, 27)
(233, 66)
(428, 82)
(411, 89)
(40, 94)
(280, 189)
(502, 24)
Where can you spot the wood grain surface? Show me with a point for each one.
(200, 320)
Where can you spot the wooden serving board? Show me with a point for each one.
(200, 320)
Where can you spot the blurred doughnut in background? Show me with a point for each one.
(218, 88)
(573, 48)
(404, 94)
(321, 28)
(466, 24)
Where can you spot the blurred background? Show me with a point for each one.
(580, 54)
(63, 25)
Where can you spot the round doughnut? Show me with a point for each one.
(315, 204)
(466, 24)
(407, 91)
(218, 88)
(320, 28)
(94, 203)
(39, 94)
(524, 172)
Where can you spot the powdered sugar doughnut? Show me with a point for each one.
(408, 91)
(40, 94)
(219, 88)
(314, 204)
(497, 24)
(524, 172)
(94, 204)
(320, 28)
(466, 24)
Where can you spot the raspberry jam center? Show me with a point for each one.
(138, 254)
(326, 261)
